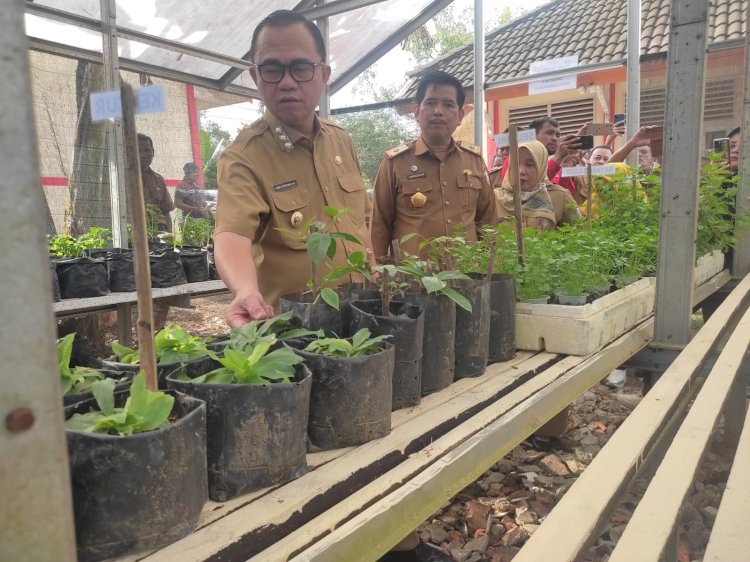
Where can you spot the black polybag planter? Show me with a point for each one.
(195, 263)
(472, 328)
(407, 333)
(166, 269)
(192, 367)
(121, 271)
(140, 491)
(55, 283)
(502, 345)
(82, 278)
(213, 273)
(351, 398)
(313, 316)
(438, 354)
(256, 432)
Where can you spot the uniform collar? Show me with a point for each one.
(420, 147)
(286, 134)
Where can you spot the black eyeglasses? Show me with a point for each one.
(273, 73)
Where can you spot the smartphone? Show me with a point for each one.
(722, 147)
(587, 142)
(619, 117)
(600, 129)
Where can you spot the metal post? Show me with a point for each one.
(634, 75)
(741, 261)
(36, 509)
(325, 98)
(480, 138)
(117, 185)
(686, 60)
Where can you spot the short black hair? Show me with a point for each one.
(145, 138)
(735, 131)
(287, 18)
(440, 78)
(601, 146)
(539, 122)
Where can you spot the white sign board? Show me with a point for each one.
(579, 171)
(108, 105)
(553, 83)
(503, 140)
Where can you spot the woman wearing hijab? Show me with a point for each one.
(542, 206)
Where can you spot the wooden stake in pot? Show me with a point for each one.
(144, 328)
(516, 183)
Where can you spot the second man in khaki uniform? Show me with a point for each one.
(434, 184)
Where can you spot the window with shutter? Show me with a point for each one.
(718, 102)
(570, 114)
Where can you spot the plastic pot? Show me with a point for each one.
(575, 300)
(313, 316)
(195, 263)
(82, 278)
(472, 328)
(438, 344)
(121, 270)
(256, 432)
(405, 325)
(502, 346)
(55, 283)
(166, 269)
(141, 491)
(351, 398)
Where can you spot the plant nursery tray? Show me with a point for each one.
(582, 330)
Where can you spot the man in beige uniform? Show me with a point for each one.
(433, 184)
(281, 172)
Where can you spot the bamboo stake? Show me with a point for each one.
(590, 179)
(144, 327)
(515, 181)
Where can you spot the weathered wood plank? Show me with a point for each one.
(378, 528)
(590, 499)
(271, 517)
(655, 518)
(730, 540)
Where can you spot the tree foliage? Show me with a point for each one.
(374, 132)
(211, 136)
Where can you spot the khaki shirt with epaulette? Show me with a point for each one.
(272, 177)
(416, 192)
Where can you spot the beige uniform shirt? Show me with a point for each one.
(416, 192)
(272, 177)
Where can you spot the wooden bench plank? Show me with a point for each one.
(651, 527)
(378, 528)
(594, 494)
(282, 510)
(730, 539)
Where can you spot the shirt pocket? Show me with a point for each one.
(286, 204)
(468, 190)
(416, 197)
(353, 196)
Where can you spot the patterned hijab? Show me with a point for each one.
(535, 202)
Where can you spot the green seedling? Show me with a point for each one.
(361, 344)
(143, 411)
(78, 379)
(172, 344)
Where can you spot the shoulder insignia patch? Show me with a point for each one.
(470, 147)
(393, 152)
(250, 132)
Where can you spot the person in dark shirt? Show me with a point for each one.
(154, 189)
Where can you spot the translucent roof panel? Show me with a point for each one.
(226, 31)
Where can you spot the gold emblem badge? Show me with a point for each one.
(296, 219)
(418, 200)
(338, 160)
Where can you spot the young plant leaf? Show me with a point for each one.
(330, 297)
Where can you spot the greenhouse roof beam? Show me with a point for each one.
(335, 7)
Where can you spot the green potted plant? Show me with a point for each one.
(257, 398)
(78, 276)
(138, 468)
(351, 398)
(195, 236)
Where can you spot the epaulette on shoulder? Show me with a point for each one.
(250, 132)
(393, 152)
(330, 123)
(470, 147)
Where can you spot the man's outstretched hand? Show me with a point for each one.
(246, 308)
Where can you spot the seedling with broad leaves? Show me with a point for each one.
(247, 337)
(360, 344)
(173, 344)
(320, 239)
(77, 380)
(144, 410)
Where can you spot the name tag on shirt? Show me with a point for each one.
(416, 176)
(286, 186)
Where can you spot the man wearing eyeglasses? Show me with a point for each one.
(281, 172)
